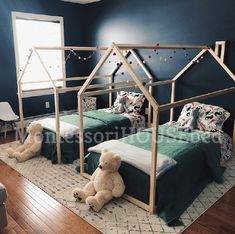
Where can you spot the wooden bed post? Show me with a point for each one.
(220, 49)
(20, 100)
(21, 113)
(151, 80)
(80, 110)
(57, 119)
(111, 94)
(172, 100)
(152, 192)
(81, 134)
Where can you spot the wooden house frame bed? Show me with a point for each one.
(118, 50)
(56, 91)
(137, 83)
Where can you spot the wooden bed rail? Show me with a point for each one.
(159, 46)
(196, 98)
(106, 91)
(65, 79)
(78, 48)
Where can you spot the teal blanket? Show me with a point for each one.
(98, 126)
(198, 163)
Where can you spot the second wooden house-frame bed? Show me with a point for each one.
(149, 204)
(55, 146)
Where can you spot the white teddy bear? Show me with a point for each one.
(105, 183)
(32, 145)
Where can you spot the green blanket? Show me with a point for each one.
(197, 165)
(98, 126)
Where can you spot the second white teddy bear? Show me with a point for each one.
(32, 145)
(105, 183)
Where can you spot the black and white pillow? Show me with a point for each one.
(225, 145)
(211, 118)
(187, 113)
(133, 101)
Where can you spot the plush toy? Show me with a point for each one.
(120, 105)
(105, 183)
(192, 121)
(31, 146)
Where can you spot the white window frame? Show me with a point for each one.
(40, 17)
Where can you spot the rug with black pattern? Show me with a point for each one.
(119, 216)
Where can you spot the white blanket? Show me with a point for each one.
(137, 157)
(66, 130)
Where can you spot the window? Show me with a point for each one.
(38, 30)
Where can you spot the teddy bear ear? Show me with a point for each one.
(104, 151)
(117, 157)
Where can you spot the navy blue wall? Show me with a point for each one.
(75, 34)
(172, 22)
(132, 21)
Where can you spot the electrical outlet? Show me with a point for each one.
(47, 105)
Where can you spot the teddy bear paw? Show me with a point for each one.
(93, 204)
(19, 158)
(79, 195)
(10, 152)
(16, 154)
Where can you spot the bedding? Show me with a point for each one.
(211, 118)
(98, 126)
(198, 163)
(220, 137)
(134, 156)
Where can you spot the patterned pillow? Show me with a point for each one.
(134, 102)
(225, 145)
(119, 105)
(187, 113)
(211, 118)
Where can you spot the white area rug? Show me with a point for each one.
(119, 216)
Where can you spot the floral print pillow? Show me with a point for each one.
(211, 118)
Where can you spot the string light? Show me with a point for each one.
(144, 61)
(72, 52)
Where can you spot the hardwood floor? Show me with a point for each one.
(30, 210)
(33, 211)
(220, 218)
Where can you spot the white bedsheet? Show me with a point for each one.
(66, 129)
(137, 157)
